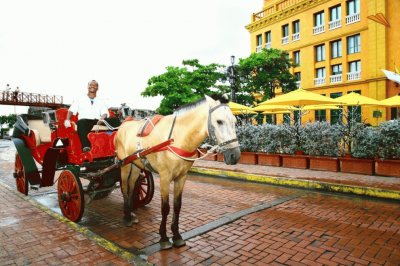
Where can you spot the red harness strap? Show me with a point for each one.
(179, 151)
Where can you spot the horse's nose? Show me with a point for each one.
(232, 156)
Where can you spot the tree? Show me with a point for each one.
(7, 119)
(183, 85)
(265, 71)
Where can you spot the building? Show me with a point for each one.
(340, 46)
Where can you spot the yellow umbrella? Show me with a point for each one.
(356, 99)
(300, 97)
(243, 112)
(321, 107)
(276, 112)
(392, 101)
(273, 107)
(237, 107)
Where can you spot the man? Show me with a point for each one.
(90, 109)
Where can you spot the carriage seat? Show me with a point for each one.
(41, 131)
(99, 128)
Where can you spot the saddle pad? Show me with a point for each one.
(147, 127)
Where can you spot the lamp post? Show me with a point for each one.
(232, 78)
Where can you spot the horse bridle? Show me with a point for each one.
(211, 131)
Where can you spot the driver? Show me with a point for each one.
(91, 110)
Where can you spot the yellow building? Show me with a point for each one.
(340, 46)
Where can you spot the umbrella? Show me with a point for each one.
(274, 108)
(276, 112)
(237, 107)
(321, 107)
(300, 97)
(356, 99)
(243, 112)
(392, 101)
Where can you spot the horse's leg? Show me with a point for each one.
(178, 190)
(129, 174)
(164, 191)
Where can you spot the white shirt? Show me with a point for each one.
(88, 108)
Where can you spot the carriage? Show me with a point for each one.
(44, 145)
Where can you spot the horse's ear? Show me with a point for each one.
(221, 98)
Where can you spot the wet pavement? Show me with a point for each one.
(224, 222)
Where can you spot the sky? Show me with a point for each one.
(56, 47)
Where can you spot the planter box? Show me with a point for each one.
(248, 157)
(324, 163)
(387, 167)
(357, 166)
(220, 157)
(272, 159)
(295, 161)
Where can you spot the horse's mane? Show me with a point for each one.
(190, 106)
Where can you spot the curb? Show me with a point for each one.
(99, 240)
(301, 183)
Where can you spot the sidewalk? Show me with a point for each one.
(365, 185)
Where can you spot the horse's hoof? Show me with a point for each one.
(179, 243)
(135, 220)
(165, 245)
(128, 221)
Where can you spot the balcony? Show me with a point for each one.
(319, 29)
(319, 81)
(354, 75)
(350, 19)
(258, 48)
(285, 40)
(296, 36)
(298, 84)
(268, 45)
(336, 78)
(334, 24)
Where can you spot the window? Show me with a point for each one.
(285, 34)
(271, 119)
(286, 119)
(353, 44)
(258, 43)
(336, 49)
(335, 13)
(298, 77)
(394, 113)
(296, 57)
(337, 69)
(320, 115)
(296, 30)
(355, 66)
(320, 53)
(320, 72)
(319, 22)
(268, 39)
(354, 112)
(336, 115)
(353, 7)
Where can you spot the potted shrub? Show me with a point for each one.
(322, 144)
(388, 163)
(364, 144)
(247, 135)
(292, 141)
(270, 145)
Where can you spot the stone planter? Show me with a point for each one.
(324, 163)
(357, 166)
(248, 157)
(387, 167)
(295, 161)
(272, 159)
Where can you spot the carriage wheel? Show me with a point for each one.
(144, 189)
(70, 196)
(20, 178)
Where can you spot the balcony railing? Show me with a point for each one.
(298, 84)
(296, 36)
(319, 81)
(275, 7)
(319, 29)
(268, 45)
(353, 18)
(336, 78)
(259, 48)
(285, 40)
(354, 75)
(334, 24)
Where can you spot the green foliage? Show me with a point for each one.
(264, 71)
(8, 119)
(365, 142)
(389, 140)
(183, 85)
(322, 139)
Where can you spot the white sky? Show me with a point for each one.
(56, 47)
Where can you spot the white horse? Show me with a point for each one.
(188, 127)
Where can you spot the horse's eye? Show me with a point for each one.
(219, 122)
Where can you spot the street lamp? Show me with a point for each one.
(232, 78)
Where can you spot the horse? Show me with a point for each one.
(188, 126)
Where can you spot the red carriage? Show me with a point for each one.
(44, 146)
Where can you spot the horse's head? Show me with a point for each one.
(221, 130)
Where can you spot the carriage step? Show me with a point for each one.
(35, 188)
